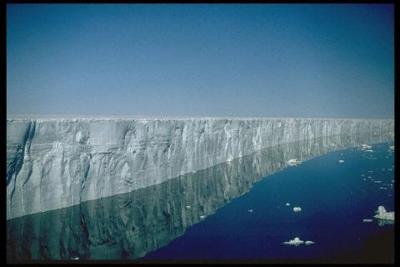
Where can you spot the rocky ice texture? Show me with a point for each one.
(130, 225)
(56, 163)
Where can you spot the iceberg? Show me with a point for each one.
(293, 162)
(382, 214)
(296, 209)
(294, 242)
(365, 146)
(297, 242)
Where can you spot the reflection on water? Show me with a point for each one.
(130, 225)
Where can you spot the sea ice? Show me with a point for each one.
(188, 207)
(202, 216)
(365, 146)
(382, 214)
(250, 210)
(341, 161)
(296, 209)
(294, 242)
(293, 162)
(288, 204)
(297, 242)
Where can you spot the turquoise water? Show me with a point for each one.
(334, 197)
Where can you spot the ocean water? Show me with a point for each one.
(334, 197)
(232, 211)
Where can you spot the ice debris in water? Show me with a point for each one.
(382, 214)
(294, 242)
(188, 207)
(250, 210)
(297, 242)
(369, 150)
(365, 146)
(293, 162)
(391, 147)
(341, 161)
(202, 216)
(296, 209)
(288, 204)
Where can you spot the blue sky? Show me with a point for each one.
(274, 60)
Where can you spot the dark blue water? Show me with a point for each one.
(334, 197)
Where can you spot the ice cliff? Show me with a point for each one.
(130, 225)
(56, 163)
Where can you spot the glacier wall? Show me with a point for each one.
(56, 163)
(130, 225)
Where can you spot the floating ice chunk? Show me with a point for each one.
(75, 258)
(377, 182)
(371, 171)
(391, 147)
(188, 206)
(309, 242)
(367, 220)
(369, 150)
(202, 216)
(362, 175)
(293, 162)
(382, 214)
(288, 204)
(383, 188)
(364, 179)
(341, 161)
(296, 209)
(250, 210)
(365, 146)
(294, 242)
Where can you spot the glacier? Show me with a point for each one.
(132, 224)
(58, 163)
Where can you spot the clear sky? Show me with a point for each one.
(273, 60)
